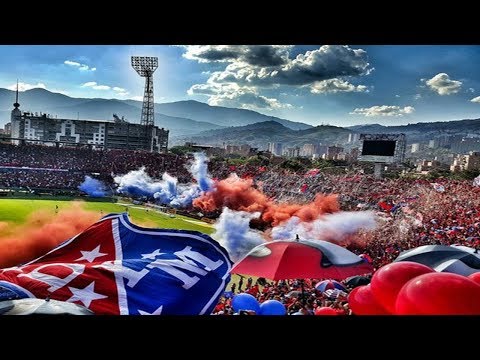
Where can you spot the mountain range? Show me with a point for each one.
(181, 117)
(205, 124)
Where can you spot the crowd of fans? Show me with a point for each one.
(20, 165)
(411, 212)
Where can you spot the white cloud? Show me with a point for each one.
(417, 97)
(397, 96)
(252, 68)
(384, 110)
(476, 99)
(137, 98)
(471, 90)
(334, 86)
(119, 89)
(25, 86)
(443, 85)
(95, 86)
(233, 95)
(72, 63)
(81, 67)
(101, 87)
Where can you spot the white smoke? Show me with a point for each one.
(331, 227)
(199, 171)
(232, 231)
(167, 191)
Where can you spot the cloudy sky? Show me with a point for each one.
(336, 84)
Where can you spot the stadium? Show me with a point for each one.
(100, 214)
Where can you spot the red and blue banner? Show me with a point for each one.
(118, 268)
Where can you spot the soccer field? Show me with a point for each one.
(17, 211)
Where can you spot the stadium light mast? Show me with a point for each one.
(145, 66)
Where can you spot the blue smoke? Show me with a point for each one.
(93, 187)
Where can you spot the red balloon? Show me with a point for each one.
(325, 310)
(475, 277)
(439, 294)
(389, 279)
(362, 302)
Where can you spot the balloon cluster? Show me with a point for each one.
(247, 302)
(409, 288)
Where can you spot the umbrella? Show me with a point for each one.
(358, 280)
(40, 306)
(324, 285)
(460, 260)
(301, 259)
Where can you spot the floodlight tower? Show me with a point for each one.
(145, 66)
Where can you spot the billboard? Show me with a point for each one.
(379, 147)
(382, 148)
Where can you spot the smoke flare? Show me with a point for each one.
(93, 187)
(232, 231)
(41, 232)
(240, 194)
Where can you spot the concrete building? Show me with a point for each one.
(415, 148)
(113, 134)
(308, 150)
(333, 152)
(466, 162)
(275, 148)
(243, 150)
(292, 152)
(353, 137)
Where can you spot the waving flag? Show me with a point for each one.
(118, 268)
(438, 187)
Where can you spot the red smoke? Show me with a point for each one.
(239, 194)
(40, 233)
(234, 193)
(323, 204)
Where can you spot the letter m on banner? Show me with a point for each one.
(116, 267)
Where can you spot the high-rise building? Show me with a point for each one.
(353, 137)
(275, 148)
(308, 150)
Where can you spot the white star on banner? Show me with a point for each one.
(91, 255)
(85, 295)
(156, 312)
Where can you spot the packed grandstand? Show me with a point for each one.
(409, 212)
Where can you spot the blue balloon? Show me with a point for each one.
(245, 301)
(272, 307)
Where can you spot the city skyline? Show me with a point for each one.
(342, 85)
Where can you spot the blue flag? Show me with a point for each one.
(116, 267)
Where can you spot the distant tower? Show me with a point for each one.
(145, 66)
(15, 120)
(16, 105)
